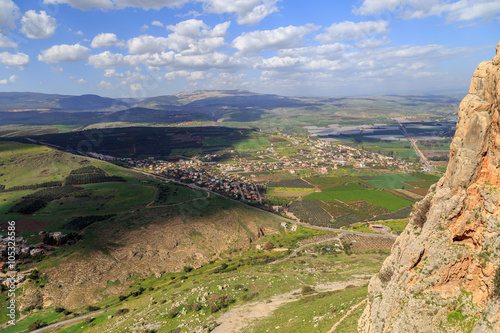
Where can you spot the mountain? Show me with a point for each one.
(25, 101)
(223, 98)
(443, 272)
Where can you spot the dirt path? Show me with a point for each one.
(237, 318)
(346, 315)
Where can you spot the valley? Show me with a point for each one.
(196, 226)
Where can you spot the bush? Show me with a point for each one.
(194, 307)
(122, 311)
(188, 269)
(173, 312)
(92, 308)
(36, 325)
(307, 289)
(213, 308)
(121, 298)
(59, 309)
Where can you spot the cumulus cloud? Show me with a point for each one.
(249, 12)
(6, 43)
(157, 23)
(64, 53)
(18, 59)
(349, 30)
(461, 10)
(9, 13)
(284, 37)
(109, 60)
(105, 40)
(188, 37)
(38, 26)
(11, 79)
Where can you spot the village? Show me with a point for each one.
(237, 178)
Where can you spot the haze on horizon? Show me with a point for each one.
(117, 48)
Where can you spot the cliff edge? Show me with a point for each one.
(439, 276)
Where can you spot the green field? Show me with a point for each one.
(376, 197)
(392, 181)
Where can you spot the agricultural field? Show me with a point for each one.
(360, 197)
(376, 197)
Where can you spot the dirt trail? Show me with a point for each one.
(346, 315)
(237, 318)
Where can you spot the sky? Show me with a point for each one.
(139, 49)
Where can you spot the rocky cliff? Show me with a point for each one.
(439, 276)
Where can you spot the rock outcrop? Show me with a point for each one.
(439, 276)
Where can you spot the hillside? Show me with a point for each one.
(176, 257)
(443, 272)
(137, 237)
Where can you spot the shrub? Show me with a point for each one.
(122, 311)
(59, 309)
(92, 308)
(36, 325)
(194, 307)
(307, 289)
(173, 312)
(121, 298)
(213, 308)
(188, 269)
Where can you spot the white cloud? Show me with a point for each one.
(105, 85)
(136, 86)
(64, 53)
(18, 59)
(38, 26)
(117, 4)
(79, 33)
(6, 43)
(11, 79)
(56, 69)
(188, 37)
(284, 37)
(9, 13)
(461, 10)
(105, 40)
(349, 30)
(202, 62)
(78, 81)
(147, 44)
(157, 23)
(249, 12)
(373, 43)
(175, 74)
(107, 59)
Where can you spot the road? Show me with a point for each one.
(67, 322)
(425, 162)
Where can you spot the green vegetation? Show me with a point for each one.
(377, 197)
(310, 212)
(290, 183)
(392, 181)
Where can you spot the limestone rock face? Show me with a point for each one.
(439, 276)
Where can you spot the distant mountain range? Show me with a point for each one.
(27, 101)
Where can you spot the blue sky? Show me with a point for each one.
(132, 48)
